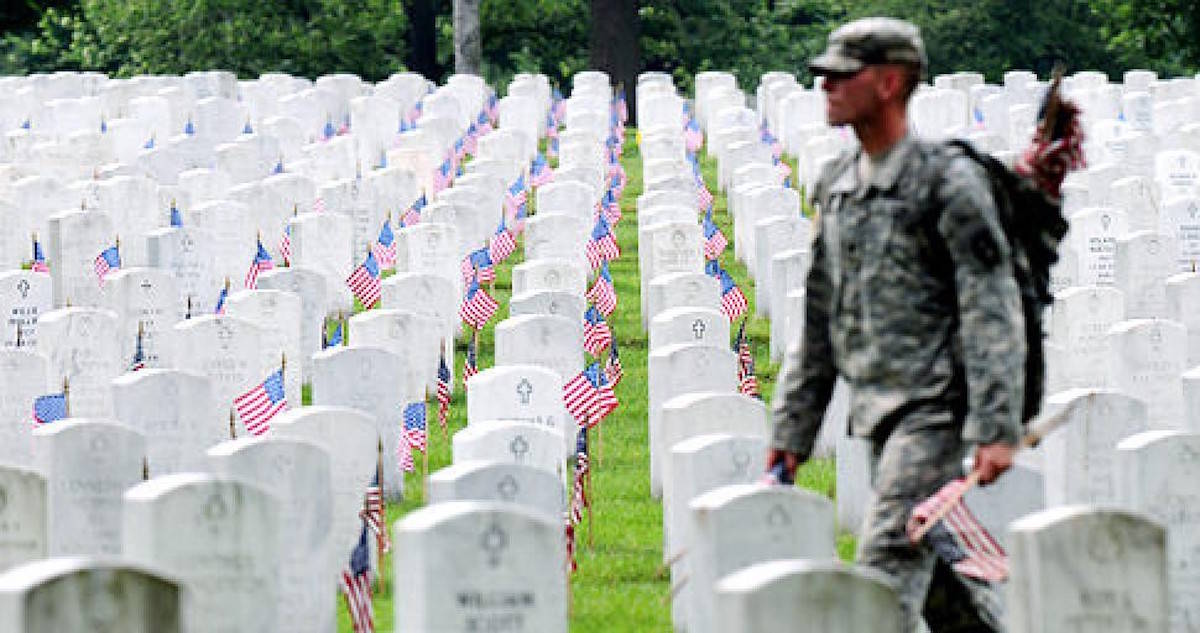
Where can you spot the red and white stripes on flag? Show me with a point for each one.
(959, 539)
(364, 282)
(256, 407)
(373, 514)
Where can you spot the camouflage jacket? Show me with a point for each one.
(911, 298)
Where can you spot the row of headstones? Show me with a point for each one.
(705, 437)
(1005, 504)
(528, 445)
(1140, 129)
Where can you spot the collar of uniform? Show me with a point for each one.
(884, 173)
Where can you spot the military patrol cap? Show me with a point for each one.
(870, 41)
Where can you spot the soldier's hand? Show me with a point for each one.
(991, 460)
(790, 461)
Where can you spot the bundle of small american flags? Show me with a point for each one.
(959, 538)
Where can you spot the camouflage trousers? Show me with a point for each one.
(906, 468)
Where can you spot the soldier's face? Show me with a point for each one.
(851, 98)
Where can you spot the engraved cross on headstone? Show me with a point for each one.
(698, 329)
(519, 447)
(524, 390)
(508, 488)
(494, 541)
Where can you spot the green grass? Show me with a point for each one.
(620, 584)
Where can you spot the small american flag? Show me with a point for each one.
(783, 169)
(364, 282)
(414, 426)
(517, 195)
(335, 338)
(518, 220)
(39, 258)
(609, 208)
(256, 407)
(221, 297)
(375, 515)
(714, 240)
(413, 214)
(478, 263)
(48, 408)
(478, 307)
(285, 245)
(569, 531)
(579, 396)
(107, 261)
(597, 335)
(603, 293)
(704, 197)
(693, 138)
(733, 302)
(540, 172)
(176, 218)
(356, 585)
(471, 362)
(579, 499)
(603, 245)
(622, 108)
(606, 398)
(139, 353)
(404, 454)
(262, 261)
(385, 247)
(482, 124)
(503, 244)
(319, 205)
(443, 391)
(747, 379)
(612, 365)
(958, 538)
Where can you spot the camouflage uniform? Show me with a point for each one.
(911, 298)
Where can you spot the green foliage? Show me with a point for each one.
(535, 36)
(302, 37)
(748, 38)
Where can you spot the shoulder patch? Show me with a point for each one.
(984, 248)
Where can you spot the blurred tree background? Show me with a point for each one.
(375, 38)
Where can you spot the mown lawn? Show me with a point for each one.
(620, 585)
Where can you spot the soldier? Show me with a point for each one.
(922, 318)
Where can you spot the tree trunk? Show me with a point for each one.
(422, 38)
(467, 43)
(614, 45)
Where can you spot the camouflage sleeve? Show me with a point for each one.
(991, 321)
(808, 374)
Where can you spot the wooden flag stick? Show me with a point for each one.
(232, 430)
(383, 501)
(145, 469)
(591, 510)
(67, 396)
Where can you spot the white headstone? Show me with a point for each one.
(298, 474)
(212, 534)
(177, 414)
(82, 346)
(479, 566)
(736, 526)
(526, 486)
(24, 515)
(511, 443)
(77, 595)
(676, 370)
(368, 379)
(812, 596)
(1154, 474)
(88, 464)
(1087, 569)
